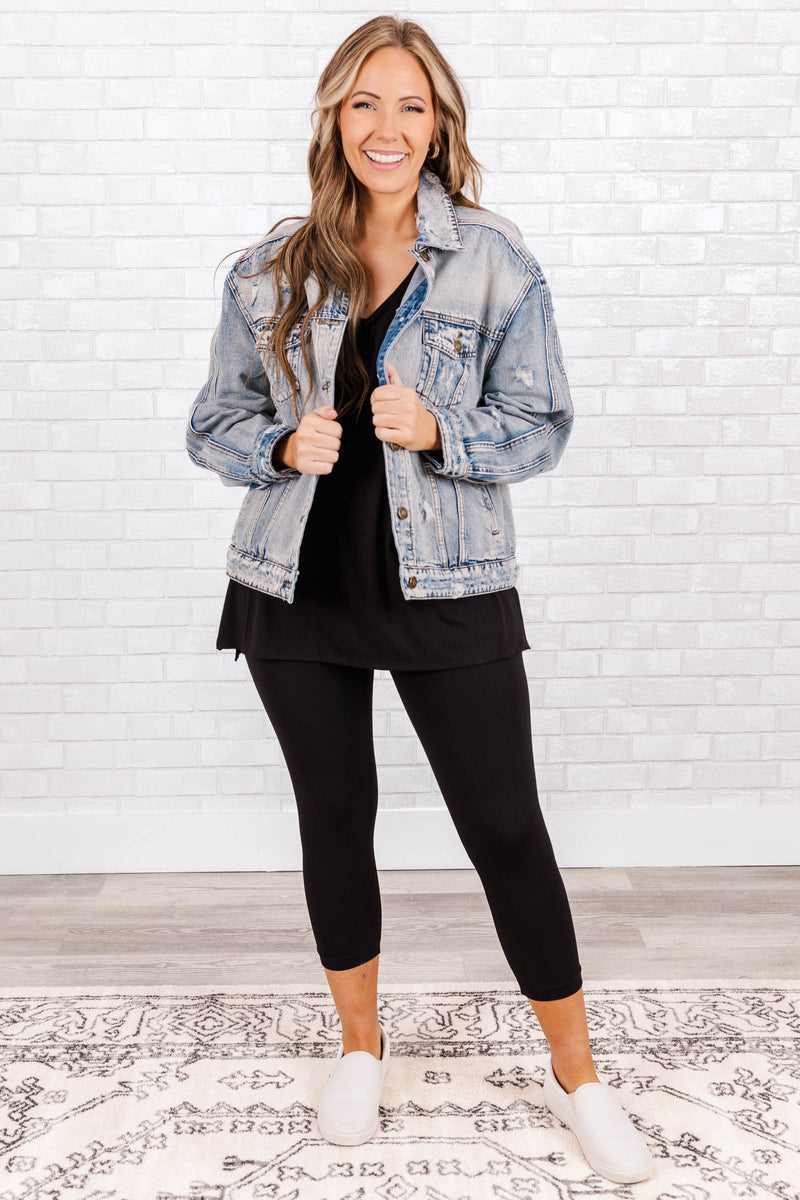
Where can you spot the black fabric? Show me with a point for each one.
(348, 606)
(474, 725)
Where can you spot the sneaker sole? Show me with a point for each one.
(349, 1137)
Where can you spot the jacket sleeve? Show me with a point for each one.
(523, 419)
(233, 425)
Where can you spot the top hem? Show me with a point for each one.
(367, 666)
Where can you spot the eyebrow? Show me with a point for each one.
(361, 92)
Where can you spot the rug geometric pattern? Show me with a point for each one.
(142, 1093)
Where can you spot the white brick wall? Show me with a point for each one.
(651, 159)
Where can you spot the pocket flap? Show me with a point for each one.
(447, 335)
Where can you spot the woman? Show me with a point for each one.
(377, 532)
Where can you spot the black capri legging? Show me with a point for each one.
(474, 725)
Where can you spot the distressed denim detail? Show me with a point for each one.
(474, 335)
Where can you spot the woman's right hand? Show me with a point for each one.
(313, 447)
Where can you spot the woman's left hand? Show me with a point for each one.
(399, 415)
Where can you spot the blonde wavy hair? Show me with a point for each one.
(323, 243)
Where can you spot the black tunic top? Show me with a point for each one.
(348, 605)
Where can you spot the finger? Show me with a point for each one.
(329, 435)
(393, 375)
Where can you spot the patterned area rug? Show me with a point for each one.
(210, 1094)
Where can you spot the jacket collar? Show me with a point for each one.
(436, 218)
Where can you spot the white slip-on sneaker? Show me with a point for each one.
(612, 1145)
(348, 1108)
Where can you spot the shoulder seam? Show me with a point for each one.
(268, 239)
(477, 219)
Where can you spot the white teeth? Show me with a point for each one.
(383, 158)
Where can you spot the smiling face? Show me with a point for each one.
(387, 121)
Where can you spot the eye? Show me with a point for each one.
(414, 107)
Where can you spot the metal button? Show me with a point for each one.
(412, 582)
(393, 446)
(326, 385)
(402, 512)
(425, 254)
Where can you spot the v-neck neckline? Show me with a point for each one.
(385, 302)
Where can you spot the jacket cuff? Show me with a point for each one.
(452, 458)
(261, 462)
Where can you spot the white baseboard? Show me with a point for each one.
(405, 839)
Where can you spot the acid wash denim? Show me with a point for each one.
(474, 336)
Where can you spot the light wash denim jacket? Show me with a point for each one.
(474, 336)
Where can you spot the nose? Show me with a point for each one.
(386, 126)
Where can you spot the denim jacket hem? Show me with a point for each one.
(419, 583)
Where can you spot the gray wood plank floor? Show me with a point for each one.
(252, 927)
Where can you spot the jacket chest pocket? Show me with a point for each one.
(280, 387)
(448, 355)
